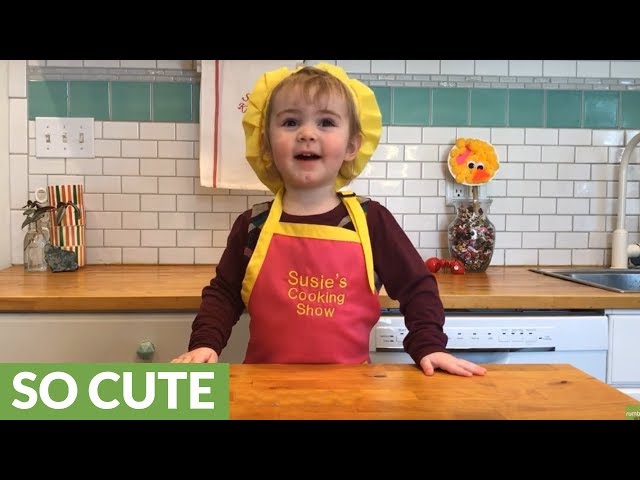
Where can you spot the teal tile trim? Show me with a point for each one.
(450, 107)
(130, 101)
(47, 99)
(564, 109)
(630, 110)
(526, 108)
(89, 99)
(399, 105)
(383, 97)
(488, 107)
(172, 102)
(114, 100)
(601, 109)
(411, 106)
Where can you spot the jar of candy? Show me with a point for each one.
(471, 235)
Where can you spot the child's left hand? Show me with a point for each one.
(449, 363)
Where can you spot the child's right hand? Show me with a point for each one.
(198, 355)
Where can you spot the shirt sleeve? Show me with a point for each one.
(221, 304)
(406, 279)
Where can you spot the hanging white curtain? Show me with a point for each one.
(224, 87)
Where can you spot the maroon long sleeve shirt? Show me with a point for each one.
(397, 263)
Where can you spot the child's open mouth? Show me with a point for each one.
(307, 156)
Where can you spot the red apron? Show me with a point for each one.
(310, 292)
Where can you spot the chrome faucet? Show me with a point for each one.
(621, 249)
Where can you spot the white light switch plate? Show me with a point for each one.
(61, 137)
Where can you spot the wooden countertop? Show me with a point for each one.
(178, 288)
(402, 392)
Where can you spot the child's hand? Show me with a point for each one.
(449, 363)
(198, 355)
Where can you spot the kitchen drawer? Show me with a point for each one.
(103, 337)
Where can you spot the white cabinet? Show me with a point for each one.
(623, 369)
(104, 337)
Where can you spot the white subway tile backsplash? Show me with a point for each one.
(158, 203)
(524, 154)
(388, 153)
(120, 166)
(553, 200)
(213, 221)
(176, 255)
(140, 256)
(559, 68)
(403, 170)
(104, 255)
(142, 220)
(102, 184)
(19, 181)
(219, 238)
(525, 68)
(84, 166)
(554, 257)
(507, 136)
(355, 66)
(552, 154)
(107, 148)
(157, 166)
(121, 130)
(423, 67)
(535, 240)
(541, 136)
(608, 137)
(574, 136)
(386, 188)
(178, 185)
(139, 148)
(387, 66)
(140, 185)
(457, 67)
(194, 238)
(104, 220)
(122, 238)
(18, 126)
(543, 171)
(625, 69)
(17, 74)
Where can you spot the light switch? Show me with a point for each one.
(61, 137)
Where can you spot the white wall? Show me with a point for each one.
(5, 257)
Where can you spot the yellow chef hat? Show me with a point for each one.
(253, 121)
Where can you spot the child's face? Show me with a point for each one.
(309, 142)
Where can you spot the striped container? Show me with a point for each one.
(70, 233)
(67, 194)
(79, 250)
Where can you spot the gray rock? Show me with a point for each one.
(60, 260)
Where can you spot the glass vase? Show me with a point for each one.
(35, 239)
(471, 235)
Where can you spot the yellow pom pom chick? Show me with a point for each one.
(473, 161)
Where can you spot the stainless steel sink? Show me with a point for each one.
(616, 280)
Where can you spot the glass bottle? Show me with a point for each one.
(471, 235)
(35, 239)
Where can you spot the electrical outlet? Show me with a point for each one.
(454, 190)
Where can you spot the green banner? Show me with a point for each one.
(114, 391)
(632, 412)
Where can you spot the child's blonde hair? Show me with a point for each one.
(315, 86)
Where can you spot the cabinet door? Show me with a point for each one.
(624, 354)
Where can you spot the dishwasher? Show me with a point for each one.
(576, 337)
